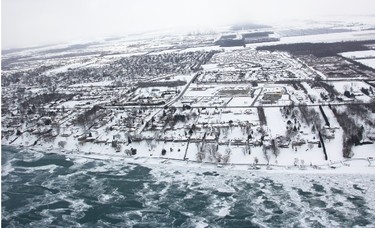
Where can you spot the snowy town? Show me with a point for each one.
(244, 98)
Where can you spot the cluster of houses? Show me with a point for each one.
(120, 112)
(136, 67)
(249, 65)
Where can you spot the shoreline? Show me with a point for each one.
(363, 166)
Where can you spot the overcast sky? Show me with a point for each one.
(38, 22)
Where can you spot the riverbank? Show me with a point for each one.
(347, 166)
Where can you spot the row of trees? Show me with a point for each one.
(311, 117)
(154, 65)
(262, 116)
(319, 49)
(87, 117)
(324, 116)
(34, 102)
(210, 151)
(353, 133)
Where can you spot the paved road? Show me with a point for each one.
(160, 107)
(288, 81)
(255, 100)
(183, 91)
(116, 107)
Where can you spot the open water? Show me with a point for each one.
(50, 190)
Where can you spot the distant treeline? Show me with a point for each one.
(256, 34)
(230, 42)
(161, 84)
(320, 49)
(248, 26)
(46, 98)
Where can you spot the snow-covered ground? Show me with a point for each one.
(331, 37)
(353, 87)
(204, 48)
(357, 165)
(364, 151)
(365, 57)
(207, 93)
(334, 146)
(359, 54)
(241, 101)
(65, 68)
(368, 62)
(275, 121)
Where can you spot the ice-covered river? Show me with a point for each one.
(49, 190)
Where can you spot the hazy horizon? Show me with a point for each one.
(42, 22)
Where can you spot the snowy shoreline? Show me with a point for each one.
(361, 166)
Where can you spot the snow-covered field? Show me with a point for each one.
(228, 117)
(241, 101)
(359, 54)
(67, 67)
(368, 62)
(365, 57)
(353, 87)
(275, 121)
(331, 37)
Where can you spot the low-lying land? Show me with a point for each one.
(295, 105)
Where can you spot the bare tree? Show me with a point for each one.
(266, 155)
(275, 148)
(226, 157)
(200, 156)
(61, 144)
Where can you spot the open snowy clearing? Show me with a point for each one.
(348, 166)
(368, 62)
(359, 54)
